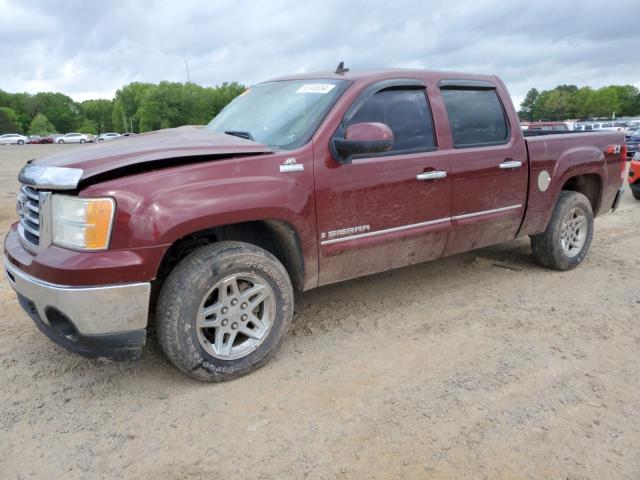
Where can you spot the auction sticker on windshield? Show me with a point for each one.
(316, 88)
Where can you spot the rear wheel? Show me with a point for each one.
(223, 310)
(82, 140)
(60, 141)
(565, 242)
(20, 142)
(636, 191)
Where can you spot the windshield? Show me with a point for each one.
(283, 114)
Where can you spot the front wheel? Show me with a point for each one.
(223, 310)
(565, 242)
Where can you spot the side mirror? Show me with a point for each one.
(363, 138)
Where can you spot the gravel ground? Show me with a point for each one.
(481, 365)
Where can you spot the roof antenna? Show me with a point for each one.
(340, 70)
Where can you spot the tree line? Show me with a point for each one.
(137, 107)
(570, 102)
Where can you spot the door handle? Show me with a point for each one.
(510, 164)
(433, 175)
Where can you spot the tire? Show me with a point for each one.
(82, 140)
(636, 192)
(565, 242)
(60, 141)
(20, 142)
(214, 281)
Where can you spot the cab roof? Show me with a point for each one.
(369, 76)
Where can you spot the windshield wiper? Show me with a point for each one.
(240, 133)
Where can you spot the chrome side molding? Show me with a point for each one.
(486, 212)
(386, 230)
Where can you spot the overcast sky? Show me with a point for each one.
(87, 49)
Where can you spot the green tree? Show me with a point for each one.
(602, 103)
(526, 107)
(126, 104)
(40, 125)
(100, 112)
(88, 126)
(8, 123)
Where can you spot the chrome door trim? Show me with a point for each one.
(386, 230)
(486, 212)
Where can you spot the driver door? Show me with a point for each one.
(390, 209)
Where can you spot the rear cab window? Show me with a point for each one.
(476, 116)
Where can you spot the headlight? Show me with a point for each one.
(82, 223)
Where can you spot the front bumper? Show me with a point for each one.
(99, 321)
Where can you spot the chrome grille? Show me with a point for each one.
(28, 207)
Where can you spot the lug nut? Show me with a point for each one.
(244, 305)
(234, 326)
(234, 301)
(225, 309)
(224, 322)
(244, 317)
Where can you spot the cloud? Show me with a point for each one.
(87, 49)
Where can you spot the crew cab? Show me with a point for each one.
(303, 181)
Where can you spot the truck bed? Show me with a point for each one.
(595, 151)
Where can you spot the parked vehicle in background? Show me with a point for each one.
(108, 136)
(301, 182)
(612, 126)
(633, 144)
(634, 175)
(546, 127)
(583, 127)
(75, 138)
(51, 138)
(34, 139)
(129, 134)
(13, 139)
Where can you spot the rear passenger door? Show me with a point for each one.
(489, 170)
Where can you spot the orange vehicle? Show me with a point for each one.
(634, 176)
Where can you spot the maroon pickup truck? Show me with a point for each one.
(207, 232)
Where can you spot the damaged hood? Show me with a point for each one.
(131, 153)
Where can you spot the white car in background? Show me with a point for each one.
(75, 138)
(613, 126)
(108, 136)
(13, 139)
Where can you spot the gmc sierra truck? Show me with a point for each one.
(207, 232)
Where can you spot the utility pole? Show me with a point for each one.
(186, 66)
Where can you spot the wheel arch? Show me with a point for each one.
(589, 184)
(277, 237)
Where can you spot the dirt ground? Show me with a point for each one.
(482, 365)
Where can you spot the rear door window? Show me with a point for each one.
(476, 117)
(406, 113)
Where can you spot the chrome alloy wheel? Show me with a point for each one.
(573, 232)
(236, 316)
